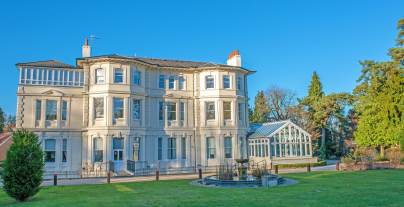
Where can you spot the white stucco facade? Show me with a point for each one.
(171, 114)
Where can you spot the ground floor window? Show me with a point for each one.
(97, 149)
(136, 149)
(183, 148)
(117, 146)
(64, 150)
(50, 150)
(210, 148)
(228, 150)
(160, 148)
(172, 149)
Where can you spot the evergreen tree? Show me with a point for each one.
(380, 99)
(2, 120)
(322, 107)
(23, 167)
(261, 109)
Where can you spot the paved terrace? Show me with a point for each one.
(164, 177)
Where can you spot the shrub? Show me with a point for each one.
(298, 165)
(23, 167)
(348, 159)
(364, 155)
(394, 155)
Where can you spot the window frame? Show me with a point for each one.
(116, 74)
(227, 112)
(172, 148)
(228, 150)
(99, 76)
(171, 82)
(138, 110)
(162, 84)
(181, 83)
(64, 150)
(116, 110)
(226, 84)
(208, 112)
(171, 114)
(38, 109)
(209, 81)
(137, 77)
(55, 109)
(101, 115)
(210, 149)
(50, 154)
(98, 153)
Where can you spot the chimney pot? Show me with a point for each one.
(234, 59)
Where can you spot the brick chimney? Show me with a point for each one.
(86, 49)
(234, 59)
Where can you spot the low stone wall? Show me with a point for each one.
(369, 166)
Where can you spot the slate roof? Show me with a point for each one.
(47, 64)
(266, 129)
(164, 62)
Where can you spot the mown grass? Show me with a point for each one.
(368, 188)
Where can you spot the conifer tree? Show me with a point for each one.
(261, 109)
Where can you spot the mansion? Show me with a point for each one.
(126, 114)
(115, 109)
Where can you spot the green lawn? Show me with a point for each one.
(368, 188)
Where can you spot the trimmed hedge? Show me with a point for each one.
(299, 165)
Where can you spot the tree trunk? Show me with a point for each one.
(381, 151)
(323, 137)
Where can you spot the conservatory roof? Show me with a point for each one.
(265, 129)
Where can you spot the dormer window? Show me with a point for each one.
(210, 81)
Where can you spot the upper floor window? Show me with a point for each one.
(226, 81)
(118, 108)
(210, 110)
(38, 109)
(64, 110)
(210, 81)
(50, 150)
(227, 110)
(161, 81)
(118, 75)
(240, 111)
(171, 82)
(182, 111)
(181, 83)
(99, 76)
(99, 108)
(171, 111)
(239, 82)
(161, 110)
(136, 109)
(51, 110)
(172, 149)
(136, 77)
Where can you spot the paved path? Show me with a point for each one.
(164, 177)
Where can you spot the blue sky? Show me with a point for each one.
(284, 41)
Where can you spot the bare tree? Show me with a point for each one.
(280, 101)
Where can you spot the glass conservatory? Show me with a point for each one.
(282, 140)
